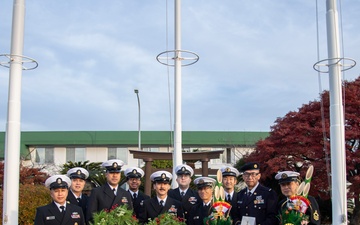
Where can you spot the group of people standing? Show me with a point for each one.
(255, 203)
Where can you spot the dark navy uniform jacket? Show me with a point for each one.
(152, 209)
(313, 211)
(190, 198)
(138, 202)
(262, 205)
(197, 214)
(233, 203)
(51, 215)
(83, 203)
(103, 198)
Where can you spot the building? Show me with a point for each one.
(51, 149)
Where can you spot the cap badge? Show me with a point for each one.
(284, 176)
(163, 175)
(201, 181)
(255, 166)
(134, 171)
(78, 172)
(227, 169)
(59, 180)
(183, 168)
(115, 165)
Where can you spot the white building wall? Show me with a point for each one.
(96, 154)
(100, 154)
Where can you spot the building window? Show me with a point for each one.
(118, 153)
(75, 154)
(44, 155)
(228, 155)
(151, 149)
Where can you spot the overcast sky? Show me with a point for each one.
(256, 62)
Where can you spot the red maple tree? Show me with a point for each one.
(298, 138)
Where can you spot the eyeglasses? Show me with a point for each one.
(250, 174)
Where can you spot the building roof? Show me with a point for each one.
(130, 138)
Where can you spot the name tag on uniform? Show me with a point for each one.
(248, 220)
(50, 217)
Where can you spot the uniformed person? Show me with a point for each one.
(87, 189)
(109, 194)
(255, 202)
(133, 179)
(184, 193)
(161, 203)
(289, 182)
(202, 209)
(229, 181)
(78, 178)
(59, 212)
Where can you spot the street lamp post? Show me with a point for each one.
(139, 131)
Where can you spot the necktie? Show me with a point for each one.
(62, 209)
(161, 203)
(249, 193)
(78, 199)
(134, 196)
(182, 194)
(114, 190)
(206, 209)
(228, 198)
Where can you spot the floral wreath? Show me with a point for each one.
(295, 212)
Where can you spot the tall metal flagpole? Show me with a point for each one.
(13, 133)
(177, 155)
(337, 130)
(178, 59)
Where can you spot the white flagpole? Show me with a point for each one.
(337, 130)
(13, 132)
(177, 154)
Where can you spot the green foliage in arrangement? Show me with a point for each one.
(115, 216)
(167, 219)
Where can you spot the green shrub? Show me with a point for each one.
(31, 197)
